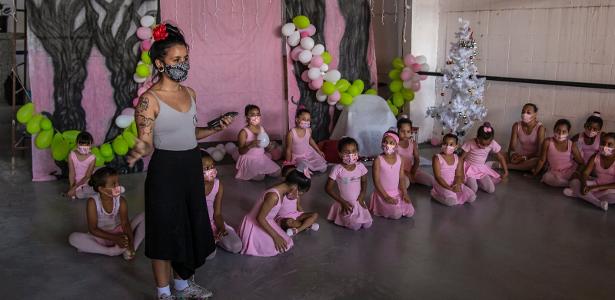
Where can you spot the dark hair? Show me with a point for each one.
(346, 141)
(595, 118)
(403, 121)
(302, 111)
(159, 48)
(295, 177)
(609, 135)
(482, 134)
(205, 154)
(99, 178)
(250, 107)
(532, 105)
(284, 223)
(84, 138)
(450, 136)
(562, 122)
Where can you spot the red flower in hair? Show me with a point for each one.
(160, 32)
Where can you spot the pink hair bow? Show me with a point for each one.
(307, 173)
(487, 129)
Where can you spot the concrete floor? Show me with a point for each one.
(526, 241)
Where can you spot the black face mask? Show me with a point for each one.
(178, 72)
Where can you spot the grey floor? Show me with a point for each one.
(526, 241)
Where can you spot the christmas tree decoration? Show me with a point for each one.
(461, 86)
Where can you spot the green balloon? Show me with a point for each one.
(46, 124)
(342, 85)
(394, 74)
(354, 91)
(129, 138)
(100, 161)
(302, 22)
(106, 150)
(71, 137)
(346, 99)
(398, 100)
(394, 110)
(119, 145)
(395, 86)
(109, 158)
(43, 139)
(133, 128)
(143, 71)
(408, 94)
(398, 63)
(34, 125)
(24, 114)
(59, 147)
(145, 57)
(371, 92)
(360, 84)
(326, 57)
(328, 88)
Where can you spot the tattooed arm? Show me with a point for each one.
(145, 116)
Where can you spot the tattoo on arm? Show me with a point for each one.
(144, 122)
(143, 104)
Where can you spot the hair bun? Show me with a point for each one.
(393, 129)
(403, 116)
(487, 124)
(597, 114)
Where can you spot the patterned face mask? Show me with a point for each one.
(178, 72)
(591, 133)
(350, 159)
(210, 174)
(304, 124)
(388, 149)
(84, 149)
(254, 120)
(606, 151)
(448, 149)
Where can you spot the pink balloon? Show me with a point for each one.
(316, 61)
(146, 45)
(304, 76)
(141, 90)
(294, 54)
(405, 75)
(416, 86)
(135, 101)
(144, 33)
(416, 67)
(409, 59)
(311, 30)
(304, 34)
(435, 141)
(336, 96)
(423, 77)
(317, 83)
(128, 111)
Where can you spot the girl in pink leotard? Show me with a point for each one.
(390, 198)
(477, 173)
(588, 141)
(81, 163)
(526, 139)
(301, 147)
(409, 153)
(449, 177)
(561, 154)
(601, 191)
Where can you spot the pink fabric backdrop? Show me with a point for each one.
(235, 58)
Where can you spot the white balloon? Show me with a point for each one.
(217, 155)
(333, 76)
(408, 84)
(293, 39)
(314, 73)
(320, 96)
(138, 79)
(210, 150)
(324, 67)
(305, 56)
(424, 67)
(421, 59)
(230, 146)
(307, 43)
(318, 49)
(288, 29)
(147, 21)
(263, 138)
(123, 121)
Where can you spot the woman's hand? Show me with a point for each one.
(280, 243)
(346, 207)
(225, 122)
(140, 150)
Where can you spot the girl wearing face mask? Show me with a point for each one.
(477, 173)
(291, 209)
(349, 209)
(588, 142)
(526, 140)
(561, 154)
(301, 146)
(409, 152)
(448, 171)
(390, 198)
(81, 163)
(260, 233)
(253, 163)
(110, 231)
(601, 191)
(225, 235)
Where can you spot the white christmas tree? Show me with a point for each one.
(463, 105)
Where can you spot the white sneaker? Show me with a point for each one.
(290, 232)
(166, 297)
(568, 192)
(604, 205)
(315, 227)
(193, 291)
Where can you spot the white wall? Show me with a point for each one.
(544, 39)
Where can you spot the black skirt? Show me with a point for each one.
(177, 224)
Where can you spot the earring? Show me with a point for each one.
(161, 69)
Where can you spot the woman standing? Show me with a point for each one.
(178, 234)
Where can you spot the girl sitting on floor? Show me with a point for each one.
(301, 147)
(448, 172)
(526, 140)
(588, 142)
(81, 163)
(477, 173)
(409, 152)
(291, 209)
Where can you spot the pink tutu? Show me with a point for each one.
(255, 162)
(349, 186)
(359, 217)
(108, 243)
(302, 151)
(389, 178)
(480, 171)
(466, 195)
